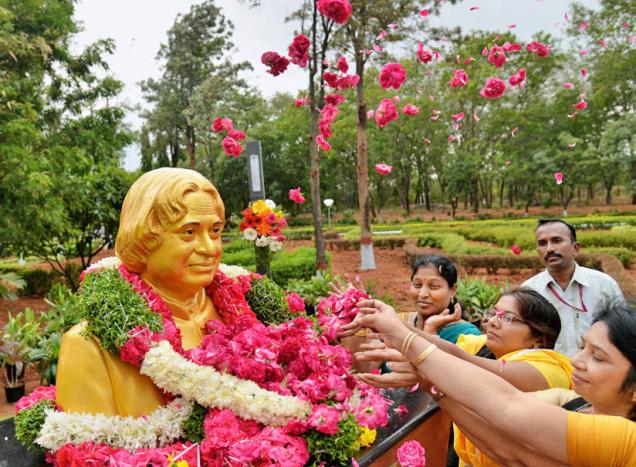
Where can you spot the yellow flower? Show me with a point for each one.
(178, 463)
(366, 438)
(280, 214)
(259, 207)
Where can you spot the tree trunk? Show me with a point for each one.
(314, 179)
(608, 194)
(367, 259)
(191, 146)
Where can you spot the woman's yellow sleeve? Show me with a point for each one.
(595, 440)
(553, 366)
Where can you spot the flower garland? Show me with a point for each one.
(275, 394)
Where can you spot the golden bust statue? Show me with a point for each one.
(170, 234)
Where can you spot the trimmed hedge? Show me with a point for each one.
(38, 281)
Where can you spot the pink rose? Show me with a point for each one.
(300, 102)
(460, 78)
(494, 88)
(342, 64)
(232, 147)
(392, 75)
(581, 105)
(323, 143)
(423, 55)
(383, 169)
(296, 196)
(324, 419)
(410, 109)
(221, 124)
(538, 48)
(237, 135)
(299, 50)
(295, 303)
(334, 99)
(411, 454)
(516, 250)
(519, 78)
(497, 56)
(386, 112)
(277, 64)
(337, 10)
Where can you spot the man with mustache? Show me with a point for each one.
(576, 292)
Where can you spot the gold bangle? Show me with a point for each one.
(424, 355)
(406, 343)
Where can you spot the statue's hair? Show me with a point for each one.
(153, 202)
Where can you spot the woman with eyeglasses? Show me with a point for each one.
(516, 428)
(521, 332)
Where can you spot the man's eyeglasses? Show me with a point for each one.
(505, 316)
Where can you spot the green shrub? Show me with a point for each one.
(29, 422)
(348, 218)
(243, 258)
(312, 290)
(477, 296)
(624, 255)
(268, 301)
(38, 281)
(301, 264)
(237, 245)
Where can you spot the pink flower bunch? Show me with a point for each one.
(40, 393)
(340, 81)
(277, 63)
(298, 50)
(89, 454)
(295, 303)
(508, 47)
(385, 113)
(497, 56)
(493, 89)
(392, 75)
(518, 78)
(339, 309)
(342, 64)
(230, 143)
(327, 115)
(228, 296)
(296, 195)
(423, 54)
(410, 109)
(460, 78)
(383, 169)
(334, 99)
(538, 48)
(337, 10)
(411, 454)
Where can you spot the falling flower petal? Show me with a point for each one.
(581, 105)
(516, 249)
(370, 113)
(393, 26)
(414, 388)
(455, 126)
(484, 51)
(512, 26)
(458, 117)
(630, 39)
(427, 141)
(584, 52)
(602, 43)
(582, 26)
(514, 131)
(381, 36)
(473, 8)
(475, 116)
(401, 409)
(583, 72)
(568, 85)
(572, 115)
(558, 176)
(566, 17)
(383, 169)
(296, 196)
(451, 138)
(571, 145)
(425, 13)
(468, 61)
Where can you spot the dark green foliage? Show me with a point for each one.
(311, 290)
(193, 425)
(301, 264)
(268, 301)
(28, 423)
(113, 309)
(335, 450)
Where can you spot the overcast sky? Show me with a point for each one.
(139, 27)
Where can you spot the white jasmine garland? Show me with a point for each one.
(232, 271)
(250, 234)
(161, 427)
(210, 388)
(110, 262)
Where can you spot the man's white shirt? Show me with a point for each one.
(588, 289)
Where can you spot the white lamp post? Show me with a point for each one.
(328, 202)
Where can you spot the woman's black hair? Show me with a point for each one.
(441, 264)
(620, 319)
(538, 313)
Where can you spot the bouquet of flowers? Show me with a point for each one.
(263, 223)
(249, 394)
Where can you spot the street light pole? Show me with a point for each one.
(328, 202)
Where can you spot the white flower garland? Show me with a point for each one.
(233, 271)
(161, 427)
(210, 388)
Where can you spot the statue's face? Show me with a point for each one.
(191, 249)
